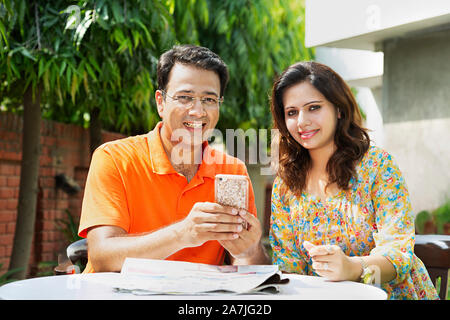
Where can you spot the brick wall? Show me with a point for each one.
(64, 149)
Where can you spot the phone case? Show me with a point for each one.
(231, 190)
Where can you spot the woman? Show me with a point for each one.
(340, 207)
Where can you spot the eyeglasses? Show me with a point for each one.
(187, 101)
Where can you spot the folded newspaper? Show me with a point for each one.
(147, 276)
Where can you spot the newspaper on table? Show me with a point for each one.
(148, 276)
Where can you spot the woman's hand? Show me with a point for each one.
(248, 243)
(329, 261)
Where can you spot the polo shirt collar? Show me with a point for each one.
(158, 158)
(160, 162)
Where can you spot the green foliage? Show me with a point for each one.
(105, 59)
(6, 277)
(439, 217)
(257, 40)
(45, 268)
(355, 93)
(421, 218)
(103, 54)
(68, 227)
(442, 216)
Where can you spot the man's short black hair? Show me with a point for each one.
(196, 56)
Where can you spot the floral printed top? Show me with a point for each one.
(373, 217)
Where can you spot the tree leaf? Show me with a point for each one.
(74, 87)
(27, 53)
(3, 36)
(117, 12)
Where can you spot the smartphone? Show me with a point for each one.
(232, 190)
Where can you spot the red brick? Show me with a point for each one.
(4, 262)
(7, 215)
(60, 214)
(61, 195)
(11, 227)
(48, 203)
(3, 204)
(45, 161)
(47, 172)
(7, 193)
(49, 141)
(47, 182)
(9, 136)
(8, 249)
(7, 170)
(64, 150)
(12, 204)
(48, 257)
(2, 252)
(54, 236)
(49, 215)
(58, 236)
(6, 239)
(48, 225)
(10, 155)
(62, 204)
(13, 181)
(46, 237)
(48, 193)
(48, 246)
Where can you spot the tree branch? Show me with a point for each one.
(125, 10)
(38, 30)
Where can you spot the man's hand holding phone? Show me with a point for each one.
(232, 190)
(227, 221)
(210, 221)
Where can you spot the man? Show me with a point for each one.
(142, 201)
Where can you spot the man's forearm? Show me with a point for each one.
(109, 254)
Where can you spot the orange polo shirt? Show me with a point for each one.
(132, 184)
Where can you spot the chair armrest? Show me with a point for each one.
(77, 250)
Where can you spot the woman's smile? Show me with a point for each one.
(305, 135)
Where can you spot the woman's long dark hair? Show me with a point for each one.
(351, 140)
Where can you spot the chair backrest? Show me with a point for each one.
(434, 251)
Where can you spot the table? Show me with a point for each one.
(84, 287)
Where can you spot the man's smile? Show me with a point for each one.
(194, 124)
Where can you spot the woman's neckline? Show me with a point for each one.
(327, 199)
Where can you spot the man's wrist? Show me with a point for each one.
(179, 236)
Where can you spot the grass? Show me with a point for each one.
(438, 285)
(6, 277)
